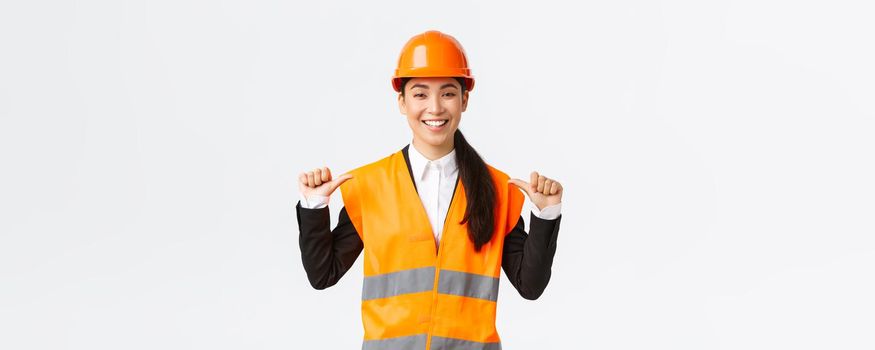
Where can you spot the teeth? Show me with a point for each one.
(435, 122)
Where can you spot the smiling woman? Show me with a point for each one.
(437, 224)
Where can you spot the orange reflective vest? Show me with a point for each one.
(414, 295)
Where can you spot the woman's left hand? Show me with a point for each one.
(542, 191)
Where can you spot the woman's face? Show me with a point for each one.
(436, 101)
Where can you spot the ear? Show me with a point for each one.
(464, 101)
(402, 105)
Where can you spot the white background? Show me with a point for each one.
(717, 159)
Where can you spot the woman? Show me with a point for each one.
(435, 222)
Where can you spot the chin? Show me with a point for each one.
(434, 140)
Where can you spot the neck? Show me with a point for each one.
(433, 152)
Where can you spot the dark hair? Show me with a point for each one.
(479, 189)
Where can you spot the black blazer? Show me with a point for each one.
(327, 254)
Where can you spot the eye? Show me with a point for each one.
(418, 95)
(450, 94)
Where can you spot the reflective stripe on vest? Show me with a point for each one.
(413, 342)
(441, 343)
(468, 285)
(417, 342)
(422, 280)
(397, 283)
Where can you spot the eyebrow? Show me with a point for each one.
(426, 86)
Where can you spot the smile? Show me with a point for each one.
(435, 124)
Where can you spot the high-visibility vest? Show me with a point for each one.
(416, 295)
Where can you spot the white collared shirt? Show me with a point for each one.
(435, 181)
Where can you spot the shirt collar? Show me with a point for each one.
(418, 162)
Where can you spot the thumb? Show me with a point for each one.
(525, 186)
(338, 181)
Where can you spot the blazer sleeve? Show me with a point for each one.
(327, 254)
(527, 258)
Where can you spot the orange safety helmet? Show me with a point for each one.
(432, 54)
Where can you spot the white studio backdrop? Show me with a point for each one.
(717, 159)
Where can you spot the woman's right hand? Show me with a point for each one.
(320, 182)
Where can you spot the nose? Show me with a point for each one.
(434, 105)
